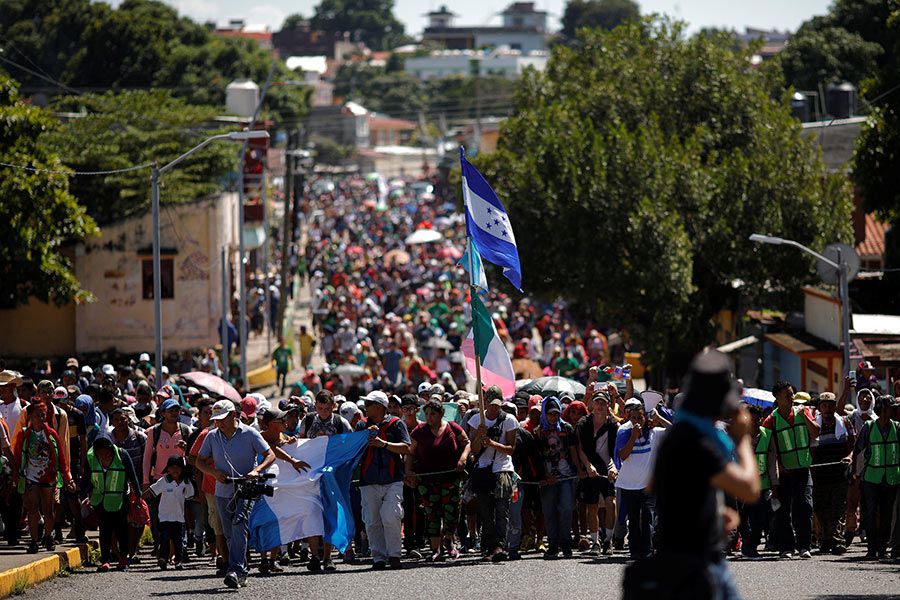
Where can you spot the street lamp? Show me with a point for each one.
(843, 284)
(155, 174)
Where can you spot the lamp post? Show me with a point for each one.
(843, 287)
(155, 174)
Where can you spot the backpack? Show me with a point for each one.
(336, 420)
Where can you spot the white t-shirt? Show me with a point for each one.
(11, 412)
(171, 498)
(635, 472)
(502, 463)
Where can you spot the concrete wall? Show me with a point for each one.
(779, 365)
(110, 267)
(37, 329)
(517, 40)
(822, 313)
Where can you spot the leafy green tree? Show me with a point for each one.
(821, 54)
(132, 128)
(635, 167)
(141, 44)
(38, 214)
(605, 14)
(370, 21)
(394, 93)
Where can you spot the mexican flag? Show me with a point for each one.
(483, 341)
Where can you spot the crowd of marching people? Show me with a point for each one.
(449, 471)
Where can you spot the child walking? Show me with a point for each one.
(173, 489)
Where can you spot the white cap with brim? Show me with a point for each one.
(144, 357)
(222, 409)
(108, 369)
(376, 397)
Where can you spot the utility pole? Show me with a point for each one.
(289, 165)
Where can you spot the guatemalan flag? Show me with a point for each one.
(315, 502)
(487, 223)
(483, 341)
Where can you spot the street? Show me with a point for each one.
(821, 578)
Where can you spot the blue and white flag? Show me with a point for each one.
(315, 502)
(476, 272)
(488, 224)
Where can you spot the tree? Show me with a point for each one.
(370, 21)
(819, 54)
(635, 167)
(294, 21)
(605, 14)
(38, 214)
(133, 128)
(395, 93)
(141, 44)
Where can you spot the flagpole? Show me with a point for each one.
(472, 293)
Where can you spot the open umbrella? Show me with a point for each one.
(423, 236)
(758, 397)
(213, 384)
(437, 342)
(349, 369)
(554, 386)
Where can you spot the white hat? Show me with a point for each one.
(108, 369)
(424, 386)
(377, 397)
(222, 409)
(165, 370)
(144, 357)
(87, 369)
(633, 403)
(348, 410)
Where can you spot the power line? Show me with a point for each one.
(79, 173)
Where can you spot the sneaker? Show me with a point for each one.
(584, 544)
(551, 554)
(514, 555)
(750, 555)
(315, 565)
(179, 566)
(395, 563)
(787, 555)
(379, 565)
(123, 565)
(618, 543)
(274, 567)
(221, 566)
(328, 565)
(848, 537)
(49, 543)
(231, 580)
(264, 566)
(594, 550)
(414, 555)
(567, 553)
(499, 556)
(605, 548)
(33, 548)
(871, 555)
(242, 581)
(134, 560)
(103, 568)
(453, 553)
(839, 550)
(805, 554)
(284, 560)
(304, 555)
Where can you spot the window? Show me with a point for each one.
(167, 278)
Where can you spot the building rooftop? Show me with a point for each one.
(872, 245)
(876, 324)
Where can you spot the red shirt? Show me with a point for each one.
(208, 484)
(439, 453)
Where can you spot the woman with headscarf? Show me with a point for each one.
(556, 440)
(85, 404)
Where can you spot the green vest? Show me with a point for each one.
(884, 456)
(27, 433)
(108, 484)
(792, 441)
(762, 457)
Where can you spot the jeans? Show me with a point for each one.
(382, 512)
(795, 495)
(493, 509)
(640, 522)
(753, 520)
(830, 505)
(200, 521)
(171, 531)
(109, 523)
(724, 587)
(878, 510)
(557, 502)
(514, 530)
(236, 530)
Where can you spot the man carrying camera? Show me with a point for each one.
(230, 451)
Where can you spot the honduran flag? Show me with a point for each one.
(483, 341)
(315, 502)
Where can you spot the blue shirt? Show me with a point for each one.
(235, 456)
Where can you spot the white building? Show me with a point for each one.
(449, 63)
(524, 28)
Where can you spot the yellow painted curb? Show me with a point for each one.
(261, 377)
(43, 569)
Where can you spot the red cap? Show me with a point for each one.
(535, 400)
(248, 406)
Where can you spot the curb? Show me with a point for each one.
(44, 569)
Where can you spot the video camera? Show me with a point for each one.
(253, 488)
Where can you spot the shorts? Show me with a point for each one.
(213, 512)
(593, 489)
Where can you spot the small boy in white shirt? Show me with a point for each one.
(173, 490)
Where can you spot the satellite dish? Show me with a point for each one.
(838, 252)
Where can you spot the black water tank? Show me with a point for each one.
(841, 99)
(800, 107)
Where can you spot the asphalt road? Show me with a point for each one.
(828, 578)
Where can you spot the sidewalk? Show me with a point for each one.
(19, 570)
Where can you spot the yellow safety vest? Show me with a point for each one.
(792, 441)
(884, 457)
(108, 484)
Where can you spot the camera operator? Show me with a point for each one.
(230, 451)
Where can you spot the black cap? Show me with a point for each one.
(273, 414)
(710, 391)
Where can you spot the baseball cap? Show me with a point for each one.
(222, 409)
(169, 403)
(60, 393)
(553, 406)
(108, 369)
(163, 392)
(827, 397)
(535, 401)
(348, 410)
(144, 357)
(802, 398)
(68, 373)
(272, 414)
(248, 406)
(72, 362)
(633, 403)
(376, 397)
(866, 365)
(424, 387)
(496, 402)
(129, 412)
(165, 369)
(87, 369)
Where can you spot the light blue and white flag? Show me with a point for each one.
(315, 502)
(488, 224)
(476, 272)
